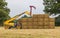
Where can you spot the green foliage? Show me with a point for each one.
(4, 11)
(52, 6)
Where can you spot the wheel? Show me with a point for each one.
(10, 27)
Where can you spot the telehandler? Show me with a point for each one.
(8, 23)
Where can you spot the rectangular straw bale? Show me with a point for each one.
(23, 20)
(46, 27)
(35, 15)
(24, 27)
(51, 26)
(30, 19)
(30, 23)
(51, 19)
(46, 19)
(30, 27)
(35, 27)
(40, 23)
(19, 20)
(46, 23)
(41, 16)
(35, 23)
(40, 27)
(35, 19)
(46, 16)
(52, 23)
(40, 20)
(24, 23)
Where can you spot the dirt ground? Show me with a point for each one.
(30, 33)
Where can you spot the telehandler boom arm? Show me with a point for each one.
(7, 22)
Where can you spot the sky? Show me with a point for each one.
(19, 6)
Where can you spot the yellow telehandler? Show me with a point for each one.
(8, 23)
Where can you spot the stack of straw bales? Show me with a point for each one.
(38, 21)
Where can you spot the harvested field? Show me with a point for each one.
(30, 33)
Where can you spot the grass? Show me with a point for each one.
(30, 33)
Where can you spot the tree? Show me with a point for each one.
(52, 6)
(4, 11)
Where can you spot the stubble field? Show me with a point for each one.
(30, 33)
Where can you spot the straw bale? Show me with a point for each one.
(46, 23)
(23, 19)
(40, 20)
(24, 24)
(35, 27)
(30, 23)
(35, 15)
(35, 19)
(46, 19)
(35, 23)
(52, 23)
(38, 15)
(30, 27)
(46, 27)
(40, 23)
(24, 27)
(51, 27)
(40, 27)
(41, 16)
(46, 15)
(30, 19)
(52, 20)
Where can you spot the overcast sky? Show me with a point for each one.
(19, 6)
